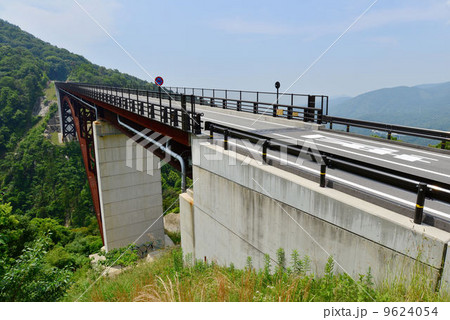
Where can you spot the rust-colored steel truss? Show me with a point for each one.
(77, 119)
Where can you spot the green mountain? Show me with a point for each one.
(47, 223)
(426, 106)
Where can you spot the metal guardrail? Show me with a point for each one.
(303, 107)
(425, 188)
(291, 99)
(182, 116)
(442, 136)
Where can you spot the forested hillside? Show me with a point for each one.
(47, 224)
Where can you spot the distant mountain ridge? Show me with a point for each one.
(426, 106)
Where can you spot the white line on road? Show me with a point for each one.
(370, 157)
(385, 144)
(234, 116)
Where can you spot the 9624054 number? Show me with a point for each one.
(410, 312)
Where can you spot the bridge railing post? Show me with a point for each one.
(198, 124)
(184, 114)
(193, 103)
(225, 139)
(265, 146)
(323, 171)
(289, 112)
(211, 131)
(309, 112)
(421, 193)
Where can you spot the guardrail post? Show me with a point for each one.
(255, 107)
(319, 116)
(192, 103)
(165, 114)
(238, 105)
(184, 114)
(389, 135)
(211, 131)
(265, 145)
(323, 171)
(225, 139)
(224, 103)
(197, 124)
(443, 144)
(152, 111)
(421, 193)
(175, 117)
(309, 112)
(275, 108)
(289, 112)
(159, 93)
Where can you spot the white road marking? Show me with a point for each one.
(434, 154)
(371, 149)
(234, 116)
(431, 211)
(229, 124)
(370, 157)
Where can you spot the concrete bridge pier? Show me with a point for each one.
(129, 187)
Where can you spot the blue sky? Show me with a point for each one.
(251, 44)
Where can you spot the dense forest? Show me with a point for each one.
(47, 224)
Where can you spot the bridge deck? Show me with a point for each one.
(421, 162)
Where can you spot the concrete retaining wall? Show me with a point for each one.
(253, 209)
(130, 200)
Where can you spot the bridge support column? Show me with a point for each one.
(129, 189)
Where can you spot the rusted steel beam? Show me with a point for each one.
(85, 137)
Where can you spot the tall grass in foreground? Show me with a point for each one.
(171, 279)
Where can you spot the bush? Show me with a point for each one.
(123, 256)
(58, 257)
(85, 245)
(32, 279)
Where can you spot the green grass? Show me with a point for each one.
(170, 278)
(50, 92)
(54, 139)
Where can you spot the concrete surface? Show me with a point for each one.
(130, 200)
(251, 209)
(187, 223)
(172, 222)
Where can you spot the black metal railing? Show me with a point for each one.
(424, 187)
(304, 107)
(181, 115)
(390, 129)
